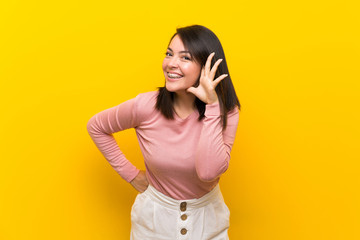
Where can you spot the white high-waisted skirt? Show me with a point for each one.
(155, 216)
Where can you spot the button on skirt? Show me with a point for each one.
(155, 216)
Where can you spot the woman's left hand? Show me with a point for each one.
(206, 89)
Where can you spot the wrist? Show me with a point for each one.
(212, 109)
(212, 98)
(213, 101)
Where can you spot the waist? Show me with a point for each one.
(214, 195)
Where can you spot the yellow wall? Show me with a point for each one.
(294, 172)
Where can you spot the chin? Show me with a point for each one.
(176, 89)
(170, 88)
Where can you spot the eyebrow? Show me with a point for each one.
(180, 51)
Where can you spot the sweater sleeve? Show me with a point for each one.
(213, 152)
(100, 128)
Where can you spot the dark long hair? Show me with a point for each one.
(200, 42)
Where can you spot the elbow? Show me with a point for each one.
(90, 126)
(211, 169)
(208, 175)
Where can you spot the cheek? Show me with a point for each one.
(164, 64)
(191, 69)
(196, 71)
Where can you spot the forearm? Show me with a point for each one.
(213, 154)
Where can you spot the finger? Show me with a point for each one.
(218, 80)
(208, 62)
(214, 68)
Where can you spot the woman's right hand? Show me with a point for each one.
(140, 182)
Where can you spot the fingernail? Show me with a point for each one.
(213, 53)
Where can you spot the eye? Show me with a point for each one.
(187, 58)
(167, 54)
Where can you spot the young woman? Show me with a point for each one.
(186, 130)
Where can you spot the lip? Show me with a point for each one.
(175, 73)
(173, 79)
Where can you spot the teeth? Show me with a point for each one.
(171, 75)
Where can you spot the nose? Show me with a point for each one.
(173, 62)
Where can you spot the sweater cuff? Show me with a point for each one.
(212, 109)
(131, 175)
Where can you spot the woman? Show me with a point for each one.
(186, 131)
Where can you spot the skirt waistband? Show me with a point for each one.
(161, 198)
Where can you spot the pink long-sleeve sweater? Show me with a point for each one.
(184, 158)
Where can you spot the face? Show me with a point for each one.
(180, 70)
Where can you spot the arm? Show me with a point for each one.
(213, 152)
(100, 128)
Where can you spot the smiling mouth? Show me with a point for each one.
(174, 75)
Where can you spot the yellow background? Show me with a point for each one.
(294, 172)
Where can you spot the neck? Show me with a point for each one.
(184, 101)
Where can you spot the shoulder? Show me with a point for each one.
(145, 104)
(146, 97)
(146, 100)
